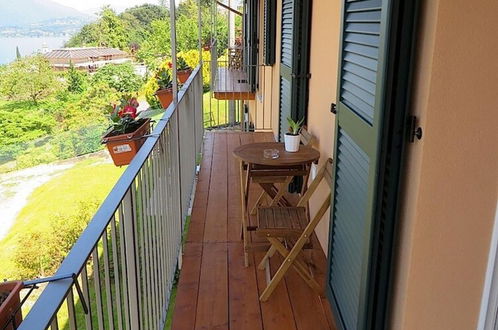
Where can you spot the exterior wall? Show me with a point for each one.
(452, 173)
(325, 34)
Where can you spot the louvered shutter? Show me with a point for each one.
(367, 156)
(294, 61)
(270, 13)
(251, 41)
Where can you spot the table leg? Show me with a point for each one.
(244, 186)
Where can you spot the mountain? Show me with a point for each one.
(26, 12)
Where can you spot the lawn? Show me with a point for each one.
(90, 179)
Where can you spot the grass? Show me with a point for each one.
(90, 179)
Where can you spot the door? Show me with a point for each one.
(294, 61)
(375, 60)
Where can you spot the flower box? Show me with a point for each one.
(124, 147)
(10, 301)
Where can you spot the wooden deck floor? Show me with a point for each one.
(215, 290)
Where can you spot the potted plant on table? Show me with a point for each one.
(292, 138)
(127, 133)
(184, 70)
(165, 91)
(9, 303)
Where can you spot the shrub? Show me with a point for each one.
(121, 77)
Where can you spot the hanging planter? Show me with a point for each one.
(165, 97)
(184, 70)
(10, 301)
(127, 134)
(165, 91)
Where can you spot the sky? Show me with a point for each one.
(86, 5)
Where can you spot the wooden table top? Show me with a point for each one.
(253, 153)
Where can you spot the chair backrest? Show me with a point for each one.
(306, 138)
(324, 173)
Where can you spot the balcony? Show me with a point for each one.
(215, 290)
(121, 272)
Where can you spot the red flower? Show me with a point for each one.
(128, 111)
(170, 65)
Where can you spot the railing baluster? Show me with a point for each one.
(107, 281)
(150, 254)
(116, 263)
(155, 242)
(86, 294)
(71, 312)
(131, 262)
(122, 239)
(55, 323)
(143, 263)
(98, 291)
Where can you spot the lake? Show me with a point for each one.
(27, 46)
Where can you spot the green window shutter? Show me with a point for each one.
(270, 27)
(294, 61)
(375, 46)
(251, 41)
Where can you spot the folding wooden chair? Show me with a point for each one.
(306, 139)
(290, 226)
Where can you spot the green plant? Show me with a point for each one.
(294, 127)
(163, 77)
(123, 115)
(181, 64)
(121, 77)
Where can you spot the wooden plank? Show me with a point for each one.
(207, 158)
(234, 96)
(188, 287)
(234, 198)
(199, 209)
(215, 229)
(244, 301)
(212, 304)
(277, 311)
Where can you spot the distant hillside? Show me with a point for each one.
(25, 12)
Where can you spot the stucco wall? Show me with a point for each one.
(452, 173)
(325, 34)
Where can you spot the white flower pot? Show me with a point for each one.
(292, 142)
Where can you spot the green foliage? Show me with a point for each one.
(121, 77)
(149, 90)
(112, 30)
(192, 59)
(295, 126)
(157, 45)
(163, 76)
(76, 80)
(30, 78)
(181, 64)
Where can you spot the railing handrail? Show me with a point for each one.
(49, 302)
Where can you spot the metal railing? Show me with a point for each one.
(126, 259)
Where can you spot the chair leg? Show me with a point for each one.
(258, 203)
(289, 260)
(271, 251)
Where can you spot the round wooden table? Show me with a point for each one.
(253, 153)
(268, 173)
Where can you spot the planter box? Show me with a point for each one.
(125, 146)
(165, 97)
(11, 304)
(183, 75)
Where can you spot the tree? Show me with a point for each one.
(112, 32)
(120, 77)
(76, 80)
(30, 78)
